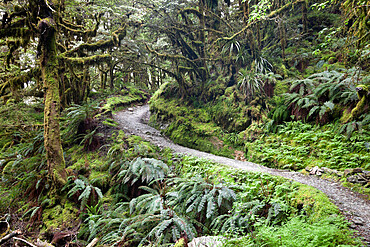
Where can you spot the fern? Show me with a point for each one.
(79, 120)
(198, 196)
(320, 92)
(163, 227)
(152, 202)
(88, 191)
(144, 169)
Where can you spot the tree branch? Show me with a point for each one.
(272, 14)
(9, 236)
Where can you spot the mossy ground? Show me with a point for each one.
(124, 98)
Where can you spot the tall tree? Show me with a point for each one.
(53, 27)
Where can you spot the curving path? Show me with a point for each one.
(352, 205)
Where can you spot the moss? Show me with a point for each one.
(363, 92)
(60, 217)
(127, 96)
(346, 116)
(95, 59)
(6, 200)
(364, 190)
(196, 125)
(315, 203)
(100, 179)
(180, 243)
(80, 166)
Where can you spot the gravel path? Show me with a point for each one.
(352, 205)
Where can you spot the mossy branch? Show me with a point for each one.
(250, 24)
(70, 25)
(15, 32)
(168, 56)
(8, 18)
(91, 60)
(80, 29)
(191, 11)
(117, 36)
(13, 81)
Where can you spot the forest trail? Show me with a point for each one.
(353, 205)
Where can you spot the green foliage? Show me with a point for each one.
(161, 228)
(298, 232)
(87, 192)
(203, 199)
(251, 80)
(197, 202)
(319, 94)
(298, 145)
(144, 169)
(80, 122)
(356, 12)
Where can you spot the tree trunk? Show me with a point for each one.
(49, 72)
(281, 27)
(304, 17)
(111, 75)
(202, 52)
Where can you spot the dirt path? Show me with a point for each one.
(353, 206)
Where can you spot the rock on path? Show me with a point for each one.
(352, 205)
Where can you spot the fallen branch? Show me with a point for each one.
(9, 236)
(93, 243)
(25, 241)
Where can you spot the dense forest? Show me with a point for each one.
(281, 83)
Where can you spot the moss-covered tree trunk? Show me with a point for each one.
(49, 72)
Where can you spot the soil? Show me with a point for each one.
(353, 205)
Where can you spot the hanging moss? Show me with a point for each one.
(15, 32)
(80, 30)
(117, 36)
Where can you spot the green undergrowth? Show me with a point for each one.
(298, 145)
(209, 127)
(189, 127)
(310, 219)
(128, 190)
